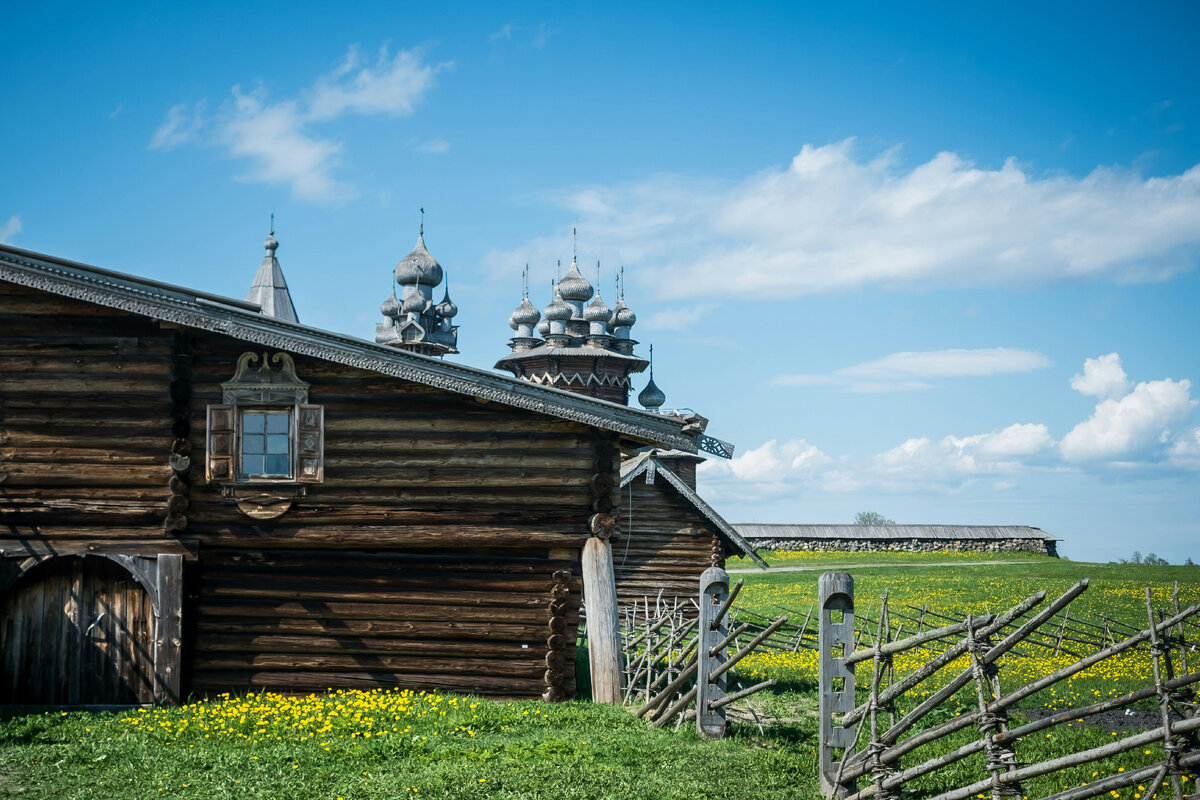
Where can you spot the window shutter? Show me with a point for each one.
(221, 444)
(310, 444)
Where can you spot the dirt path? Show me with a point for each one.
(831, 567)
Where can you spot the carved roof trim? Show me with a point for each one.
(241, 320)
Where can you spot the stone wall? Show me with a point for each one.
(1040, 546)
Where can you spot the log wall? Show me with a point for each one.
(430, 556)
(665, 544)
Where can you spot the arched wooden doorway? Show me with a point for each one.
(77, 630)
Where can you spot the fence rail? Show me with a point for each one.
(892, 735)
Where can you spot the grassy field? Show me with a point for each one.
(364, 746)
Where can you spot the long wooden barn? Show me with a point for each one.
(198, 498)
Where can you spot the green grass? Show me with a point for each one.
(446, 746)
(518, 750)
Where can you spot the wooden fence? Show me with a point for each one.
(901, 748)
(677, 660)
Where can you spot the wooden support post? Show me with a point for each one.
(168, 632)
(603, 624)
(714, 628)
(835, 598)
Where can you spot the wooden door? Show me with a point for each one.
(76, 631)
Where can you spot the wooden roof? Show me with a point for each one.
(242, 320)
(754, 530)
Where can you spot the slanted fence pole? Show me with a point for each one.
(835, 599)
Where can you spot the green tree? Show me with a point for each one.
(872, 518)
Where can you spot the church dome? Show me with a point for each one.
(447, 309)
(622, 316)
(543, 328)
(574, 286)
(419, 267)
(524, 314)
(652, 397)
(558, 310)
(391, 306)
(414, 302)
(597, 311)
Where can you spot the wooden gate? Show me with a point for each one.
(77, 630)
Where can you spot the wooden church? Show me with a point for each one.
(201, 494)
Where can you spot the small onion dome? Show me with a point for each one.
(271, 244)
(652, 397)
(419, 267)
(543, 328)
(414, 302)
(446, 309)
(622, 316)
(525, 314)
(574, 286)
(557, 308)
(391, 306)
(597, 311)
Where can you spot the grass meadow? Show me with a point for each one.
(403, 744)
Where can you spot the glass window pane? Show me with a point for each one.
(277, 422)
(254, 443)
(277, 443)
(277, 464)
(252, 465)
(253, 422)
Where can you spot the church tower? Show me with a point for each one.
(415, 322)
(269, 289)
(580, 348)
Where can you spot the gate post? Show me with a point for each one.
(835, 592)
(168, 628)
(714, 590)
(603, 624)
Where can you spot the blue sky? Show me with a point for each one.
(935, 261)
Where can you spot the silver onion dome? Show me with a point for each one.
(557, 310)
(622, 316)
(391, 306)
(414, 302)
(419, 267)
(652, 397)
(447, 309)
(524, 314)
(574, 286)
(597, 311)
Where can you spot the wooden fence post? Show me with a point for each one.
(603, 624)
(835, 597)
(714, 627)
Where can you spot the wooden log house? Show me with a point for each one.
(196, 498)
(670, 535)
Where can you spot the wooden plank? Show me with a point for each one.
(168, 627)
(188, 547)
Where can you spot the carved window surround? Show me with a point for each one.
(265, 388)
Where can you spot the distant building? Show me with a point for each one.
(414, 322)
(912, 538)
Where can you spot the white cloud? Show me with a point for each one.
(675, 319)
(906, 371)
(277, 137)
(272, 136)
(392, 86)
(832, 220)
(505, 32)
(1150, 428)
(437, 147)
(181, 126)
(10, 229)
(1134, 426)
(544, 32)
(1102, 377)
